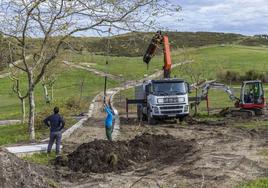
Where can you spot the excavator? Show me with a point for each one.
(250, 103)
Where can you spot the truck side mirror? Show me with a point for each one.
(147, 89)
(188, 88)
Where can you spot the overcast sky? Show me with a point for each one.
(247, 17)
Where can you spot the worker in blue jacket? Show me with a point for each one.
(109, 122)
(56, 123)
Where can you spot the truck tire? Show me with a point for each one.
(139, 113)
(151, 121)
(181, 119)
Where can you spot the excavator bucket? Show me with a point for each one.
(150, 52)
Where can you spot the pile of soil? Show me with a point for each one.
(14, 172)
(102, 156)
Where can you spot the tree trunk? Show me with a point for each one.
(52, 93)
(31, 114)
(22, 110)
(195, 106)
(47, 99)
(31, 106)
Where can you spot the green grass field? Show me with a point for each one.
(67, 85)
(40, 158)
(210, 60)
(215, 59)
(131, 68)
(67, 89)
(258, 183)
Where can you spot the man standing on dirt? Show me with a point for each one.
(56, 123)
(108, 122)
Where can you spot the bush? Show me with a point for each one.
(252, 75)
(228, 76)
(73, 103)
(233, 76)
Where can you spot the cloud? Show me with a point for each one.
(238, 16)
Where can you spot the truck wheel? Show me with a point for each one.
(181, 119)
(151, 121)
(139, 113)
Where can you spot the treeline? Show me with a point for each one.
(4, 53)
(234, 76)
(135, 43)
(254, 41)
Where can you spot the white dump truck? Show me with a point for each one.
(162, 99)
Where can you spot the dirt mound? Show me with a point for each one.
(102, 156)
(14, 172)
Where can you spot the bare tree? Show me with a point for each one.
(53, 21)
(17, 89)
(195, 73)
(48, 81)
(48, 84)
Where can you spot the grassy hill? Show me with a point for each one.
(134, 44)
(211, 60)
(217, 59)
(67, 87)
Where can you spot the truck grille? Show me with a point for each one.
(172, 112)
(170, 107)
(171, 100)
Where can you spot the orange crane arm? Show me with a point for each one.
(157, 40)
(167, 57)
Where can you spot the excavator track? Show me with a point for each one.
(242, 113)
(237, 112)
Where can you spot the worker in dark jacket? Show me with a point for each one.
(108, 122)
(56, 123)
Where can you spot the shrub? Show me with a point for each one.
(233, 76)
(73, 103)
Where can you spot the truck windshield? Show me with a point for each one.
(169, 88)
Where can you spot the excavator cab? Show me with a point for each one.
(252, 95)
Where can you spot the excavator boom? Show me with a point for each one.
(167, 57)
(156, 41)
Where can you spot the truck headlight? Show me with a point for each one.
(181, 99)
(186, 108)
(160, 100)
(156, 110)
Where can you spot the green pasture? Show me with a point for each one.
(210, 61)
(70, 83)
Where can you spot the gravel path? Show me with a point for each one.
(9, 122)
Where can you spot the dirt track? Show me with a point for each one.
(223, 156)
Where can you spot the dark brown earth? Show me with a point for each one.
(14, 172)
(101, 156)
(224, 152)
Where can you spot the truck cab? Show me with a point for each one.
(164, 99)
